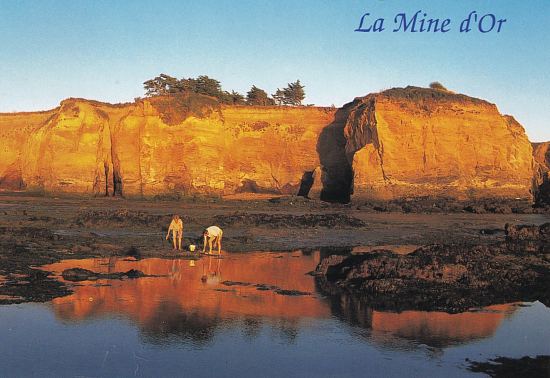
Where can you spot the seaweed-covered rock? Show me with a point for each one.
(448, 278)
(527, 232)
(329, 220)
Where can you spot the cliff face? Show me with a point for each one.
(402, 142)
(160, 146)
(15, 130)
(417, 141)
(541, 154)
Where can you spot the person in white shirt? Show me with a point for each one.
(212, 234)
(176, 226)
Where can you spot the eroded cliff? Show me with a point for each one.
(160, 146)
(398, 143)
(419, 141)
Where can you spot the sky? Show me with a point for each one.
(104, 50)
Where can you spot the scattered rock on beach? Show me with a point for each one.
(528, 232)
(330, 220)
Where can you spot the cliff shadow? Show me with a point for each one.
(306, 183)
(542, 193)
(541, 190)
(336, 170)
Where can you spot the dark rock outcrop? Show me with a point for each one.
(528, 232)
(330, 220)
(450, 278)
(513, 367)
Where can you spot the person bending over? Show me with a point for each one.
(176, 226)
(212, 234)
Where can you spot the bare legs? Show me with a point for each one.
(217, 241)
(176, 240)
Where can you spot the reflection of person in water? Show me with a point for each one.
(212, 274)
(176, 226)
(212, 234)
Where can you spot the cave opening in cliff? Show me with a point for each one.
(336, 170)
(308, 178)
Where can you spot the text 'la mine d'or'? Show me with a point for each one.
(421, 23)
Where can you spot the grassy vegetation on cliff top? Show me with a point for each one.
(176, 108)
(418, 94)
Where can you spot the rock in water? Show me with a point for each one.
(79, 274)
(134, 273)
(450, 278)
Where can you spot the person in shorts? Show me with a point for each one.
(176, 227)
(212, 234)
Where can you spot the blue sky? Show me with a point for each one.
(104, 50)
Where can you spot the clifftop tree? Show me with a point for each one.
(278, 97)
(166, 85)
(162, 85)
(294, 94)
(236, 98)
(257, 96)
(205, 85)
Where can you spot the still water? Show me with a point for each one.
(229, 317)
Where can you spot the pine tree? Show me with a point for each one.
(278, 97)
(237, 98)
(294, 94)
(161, 85)
(208, 86)
(257, 96)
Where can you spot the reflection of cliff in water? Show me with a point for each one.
(190, 304)
(169, 322)
(435, 329)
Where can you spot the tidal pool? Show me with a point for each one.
(231, 317)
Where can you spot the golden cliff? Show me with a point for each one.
(160, 146)
(401, 142)
(417, 141)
